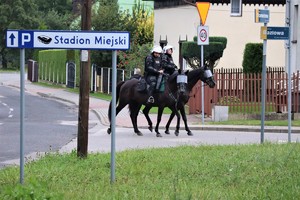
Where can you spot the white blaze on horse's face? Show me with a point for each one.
(182, 82)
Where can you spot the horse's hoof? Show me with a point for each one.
(176, 133)
(189, 133)
(167, 132)
(158, 135)
(139, 133)
(150, 128)
(108, 131)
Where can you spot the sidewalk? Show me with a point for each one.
(100, 141)
(99, 108)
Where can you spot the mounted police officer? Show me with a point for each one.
(153, 70)
(167, 62)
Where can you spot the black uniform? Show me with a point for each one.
(152, 67)
(167, 64)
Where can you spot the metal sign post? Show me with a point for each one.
(86, 40)
(263, 91)
(288, 20)
(113, 118)
(203, 39)
(271, 33)
(22, 113)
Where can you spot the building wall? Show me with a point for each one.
(295, 36)
(175, 23)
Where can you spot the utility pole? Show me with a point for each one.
(84, 91)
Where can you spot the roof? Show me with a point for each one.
(175, 3)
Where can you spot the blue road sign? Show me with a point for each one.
(262, 15)
(67, 40)
(277, 33)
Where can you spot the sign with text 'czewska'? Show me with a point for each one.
(67, 40)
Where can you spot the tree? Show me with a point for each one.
(139, 23)
(105, 17)
(142, 23)
(21, 14)
(60, 6)
(31, 14)
(212, 52)
(135, 57)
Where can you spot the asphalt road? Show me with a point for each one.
(48, 124)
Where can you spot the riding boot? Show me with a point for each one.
(150, 93)
(159, 79)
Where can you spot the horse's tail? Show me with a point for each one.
(117, 98)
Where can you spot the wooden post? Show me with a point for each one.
(83, 116)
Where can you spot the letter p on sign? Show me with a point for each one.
(26, 37)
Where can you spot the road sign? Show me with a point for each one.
(67, 40)
(262, 15)
(274, 33)
(202, 35)
(203, 8)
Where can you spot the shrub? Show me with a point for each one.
(252, 61)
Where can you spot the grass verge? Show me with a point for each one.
(256, 122)
(267, 171)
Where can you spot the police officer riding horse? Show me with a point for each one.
(158, 64)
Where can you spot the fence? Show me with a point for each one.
(102, 78)
(242, 92)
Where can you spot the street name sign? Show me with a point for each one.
(67, 40)
(262, 15)
(274, 33)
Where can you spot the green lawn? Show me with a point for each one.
(262, 171)
(257, 122)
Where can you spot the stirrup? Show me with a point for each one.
(151, 99)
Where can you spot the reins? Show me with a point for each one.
(171, 94)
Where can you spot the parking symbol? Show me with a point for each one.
(26, 39)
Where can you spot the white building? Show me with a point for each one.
(180, 21)
(295, 35)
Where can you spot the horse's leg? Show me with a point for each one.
(118, 109)
(182, 111)
(146, 113)
(169, 122)
(178, 122)
(134, 111)
(159, 114)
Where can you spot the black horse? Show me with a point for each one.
(176, 98)
(128, 94)
(203, 74)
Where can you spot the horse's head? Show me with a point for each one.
(208, 77)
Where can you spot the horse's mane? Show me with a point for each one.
(173, 76)
(194, 76)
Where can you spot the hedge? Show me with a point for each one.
(52, 65)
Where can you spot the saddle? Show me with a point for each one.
(142, 85)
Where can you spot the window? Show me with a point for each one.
(236, 8)
(295, 25)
